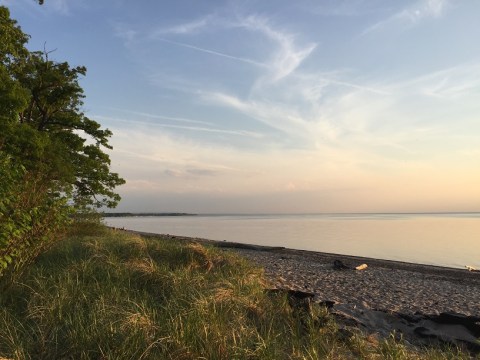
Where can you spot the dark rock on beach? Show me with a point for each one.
(339, 265)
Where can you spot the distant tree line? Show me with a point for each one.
(125, 214)
(52, 158)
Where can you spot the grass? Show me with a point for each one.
(105, 294)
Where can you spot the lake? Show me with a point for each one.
(451, 240)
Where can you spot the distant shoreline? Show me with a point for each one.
(128, 214)
(334, 214)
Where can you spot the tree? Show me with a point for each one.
(75, 141)
(52, 158)
(12, 48)
(43, 125)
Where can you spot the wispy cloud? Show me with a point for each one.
(288, 56)
(322, 81)
(164, 159)
(452, 83)
(212, 52)
(124, 32)
(280, 58)
(310, 109)
(459, 82)
(185, 28)
(275, 115)
(359, 87)
(362, 117)
(345, 8)
(181, 127)
(213, 130)
(163, 150)
(162, 117)
(422, 9)
(283, 61)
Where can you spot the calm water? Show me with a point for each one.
(448, 239)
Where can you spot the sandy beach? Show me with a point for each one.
(423, 303)
(387, 285)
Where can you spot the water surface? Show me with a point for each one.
(438, 239)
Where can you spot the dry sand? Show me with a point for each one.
(425, 304)
(387, 285)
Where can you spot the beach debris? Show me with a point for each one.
(471, 268)
(472, 323)
(327, 303)
(339, 265)
(361, 267)
(450, 328)
(297, 299)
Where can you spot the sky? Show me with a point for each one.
(278, 106)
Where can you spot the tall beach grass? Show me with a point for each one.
(106, 294)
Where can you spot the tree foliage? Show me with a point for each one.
(52, 156)
(71, 143)
(42, 123)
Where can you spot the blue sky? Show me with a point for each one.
(278, 106)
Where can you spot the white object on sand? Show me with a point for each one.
(470, 268)
(361, 267)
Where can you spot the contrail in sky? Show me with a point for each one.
(248, 61)
(155, 116)
(192, 128)
(360, 87)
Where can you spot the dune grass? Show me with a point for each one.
(105, 294)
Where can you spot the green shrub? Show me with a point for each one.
(31, 219)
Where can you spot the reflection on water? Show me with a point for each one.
(439, 239)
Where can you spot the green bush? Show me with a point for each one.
(31, 219)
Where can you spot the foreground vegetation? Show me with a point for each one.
(105, 294)
(53, 162)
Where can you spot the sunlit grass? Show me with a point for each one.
(105, 294)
